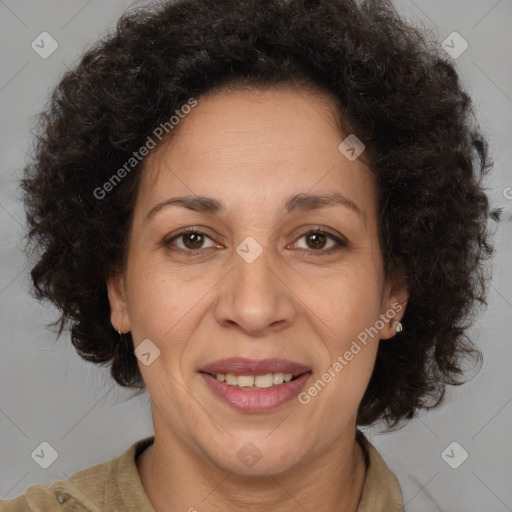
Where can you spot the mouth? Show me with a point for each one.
(255, 385)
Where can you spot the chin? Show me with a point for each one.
(258, 457)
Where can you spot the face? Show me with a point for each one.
(267, 273)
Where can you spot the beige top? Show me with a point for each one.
(115, 486)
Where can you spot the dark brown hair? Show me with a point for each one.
(400, 95)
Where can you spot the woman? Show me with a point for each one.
(270, 215)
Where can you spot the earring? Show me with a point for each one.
(398, 326)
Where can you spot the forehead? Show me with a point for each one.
(257, 146)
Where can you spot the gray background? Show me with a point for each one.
(49, 394)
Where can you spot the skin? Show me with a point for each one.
(251, 150)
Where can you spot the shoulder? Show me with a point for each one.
(39, 498)
(89, 490)
(82, 492)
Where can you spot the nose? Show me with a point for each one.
(255, 297)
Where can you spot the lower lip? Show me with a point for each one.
(259, 399)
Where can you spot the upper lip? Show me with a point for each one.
(244, 366)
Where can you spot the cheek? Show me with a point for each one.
(166, 307)
(348, 304)
(159, 297)
(349, 313)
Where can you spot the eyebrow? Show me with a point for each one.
(298, 202)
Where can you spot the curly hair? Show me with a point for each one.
(396, 90)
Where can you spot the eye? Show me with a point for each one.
(192, 241)
(316, 241)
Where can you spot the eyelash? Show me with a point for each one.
(341, 243)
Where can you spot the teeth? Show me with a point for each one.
(278, 378)
(262, 381)
(245, 380)
(259, 381)
(231, 379)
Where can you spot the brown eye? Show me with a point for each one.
(193, 240)
(317, 242)
(189, 241)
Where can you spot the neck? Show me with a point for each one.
(178, 479)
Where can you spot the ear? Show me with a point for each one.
(118, 305)
(394, 303)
